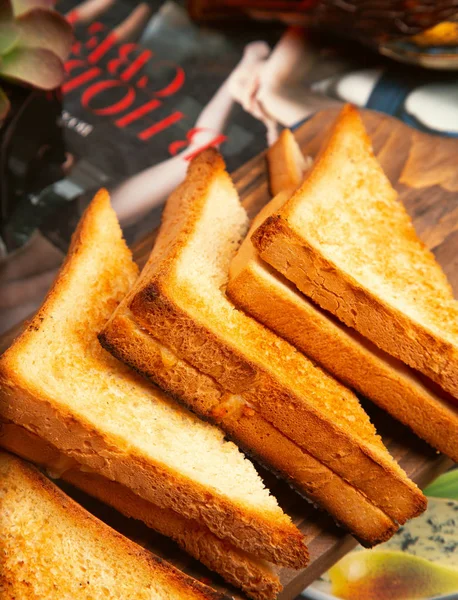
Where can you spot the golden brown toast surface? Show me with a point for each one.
(57, 381)
(257, 578)
(368, 266)
(286, 163)
(246, 426)
(180, 300)
(264, 293)
(52, 548)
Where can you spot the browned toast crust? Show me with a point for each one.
(152, 482)
(255, 287)
(281, 242)
(20, 472)
(256, 577)
(162, 307)
(246, 427)
(22, 402)
(286, 163)
(343, 352)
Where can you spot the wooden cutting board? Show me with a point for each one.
(424, 170)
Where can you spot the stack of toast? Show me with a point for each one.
(362, 295)
(142, 389)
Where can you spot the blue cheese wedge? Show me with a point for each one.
(433, 535)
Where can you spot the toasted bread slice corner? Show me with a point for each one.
(257, 578)
(246, 426)
(367, 267)
(52, 548)
(263, 292)
(57, 381)
(287, 164)
(180, 300)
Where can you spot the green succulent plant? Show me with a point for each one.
(34, 43)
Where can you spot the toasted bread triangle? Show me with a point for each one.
(180, 300)
(57, 381)
(286, 163)
(264, 293)
(346, 241)
(132, 344)
(256, 577)
(52, 548)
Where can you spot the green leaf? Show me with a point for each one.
(445, 486)
(34, 66)
(45, 29)
(4, 105)
(22, 6)
(9, 35)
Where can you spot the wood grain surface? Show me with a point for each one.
(424, 170)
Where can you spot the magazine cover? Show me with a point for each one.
(146, 87)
